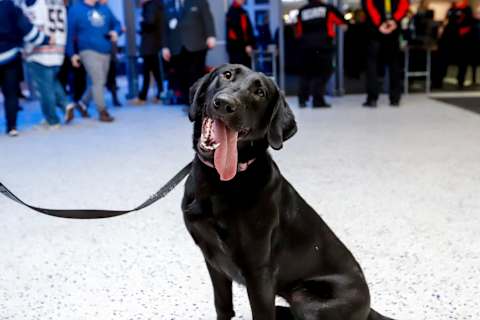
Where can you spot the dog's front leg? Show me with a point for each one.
(222, 289)
(261, 293)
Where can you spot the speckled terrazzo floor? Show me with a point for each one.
(401, 187)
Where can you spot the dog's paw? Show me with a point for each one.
(226, 316)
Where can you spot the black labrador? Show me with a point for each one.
(250, 223)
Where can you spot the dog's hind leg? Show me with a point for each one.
(334, 297)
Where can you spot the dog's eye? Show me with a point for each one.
(260, 93)
(227, 75)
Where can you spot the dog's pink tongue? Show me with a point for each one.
(226, 155)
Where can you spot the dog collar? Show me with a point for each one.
(242, 166)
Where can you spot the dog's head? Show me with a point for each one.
(233, 108)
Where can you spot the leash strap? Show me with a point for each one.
(102, 214)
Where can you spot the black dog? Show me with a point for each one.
(249, 222)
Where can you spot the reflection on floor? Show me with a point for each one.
(400, 186)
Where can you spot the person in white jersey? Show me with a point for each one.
(44, 62)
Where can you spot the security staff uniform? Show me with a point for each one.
(460, 36)
(239, 35)
(189, 23)
(315, 31)
(384, 48)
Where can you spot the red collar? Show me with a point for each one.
(242, 166)
(235, 4)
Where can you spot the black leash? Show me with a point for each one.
(102, 214)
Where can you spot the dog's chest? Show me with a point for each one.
(217, 240)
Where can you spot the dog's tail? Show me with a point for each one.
(374, 315)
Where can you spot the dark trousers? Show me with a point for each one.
(9, 81)
(189, 67)
(112, 80)
(73, 80)
(316, 69)
(463, 58)
(475, 61)
(151, 64)
(384, 50)
(112, 76)
(240, 57)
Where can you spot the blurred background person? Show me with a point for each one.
(264, 34)
(383, 18)
(74, 80)
(455, 44)
(422, 29)
(95, 28)
(190, 32)
(459, 29)
(44, 62)
(112, 85)
(112, 71)
(152, 41)
(355, 46)
(475, 57)
(240, 37)
(315, 31)
(15, 30)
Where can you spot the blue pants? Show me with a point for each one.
(49, 90)
(9, 80)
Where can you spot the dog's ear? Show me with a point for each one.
(197, 95)
(282, 124)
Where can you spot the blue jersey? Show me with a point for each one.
(88, 28)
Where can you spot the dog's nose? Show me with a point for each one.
(224, 104)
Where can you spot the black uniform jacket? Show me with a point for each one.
(316, 25)
(152, 28)
(239, 29)
(189, 26)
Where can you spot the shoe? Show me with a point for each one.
(44, 125)
(115, 101)
(157, 100)
(370, 104)
(82, 108)
(22, 96)
(395, 103)
(321, 104)
(105, 116)
(54, 126)
(69, 114)
(138, 102)
(13, 133)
